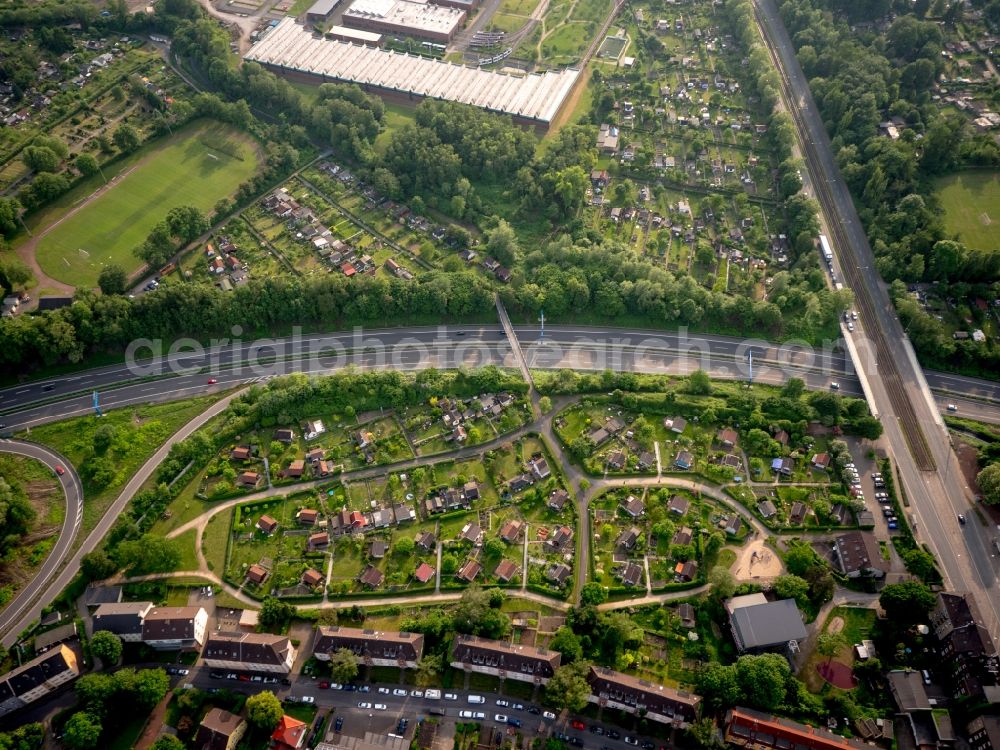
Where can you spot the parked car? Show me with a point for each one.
(364, 704)
(502, 702)
(338, 724)
(380, 707)
(548, 715)
(577, 724)
(450, 697)
(324, 685)
(399, 693)
(500, 718)
(384, 690)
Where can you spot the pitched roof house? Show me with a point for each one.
(502, 659)
(220, 730)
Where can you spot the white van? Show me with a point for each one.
(432, 695)
(476, 699)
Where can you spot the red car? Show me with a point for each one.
(324, 685)
(212, 381)
(577, 724)
(60, 470)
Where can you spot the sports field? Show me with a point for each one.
(196, 167)
(971, 203)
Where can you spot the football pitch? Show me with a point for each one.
(195, 167)
(971, 203)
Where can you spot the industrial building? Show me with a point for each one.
(357, 36)
(420, 20)
(321, 10)
(533, 99)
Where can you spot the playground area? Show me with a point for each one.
(756, 561)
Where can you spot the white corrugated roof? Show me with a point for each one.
(536, 96)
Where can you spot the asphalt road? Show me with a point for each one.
(936, 497)
(73, 493)
(358, 720)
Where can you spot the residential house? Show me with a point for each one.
(797, 515)
(560, 539)
(469, 571)
(240, 453)
(984, 733)
(727, 438)
(558, 499)
(675, 424)
(783, 466)
(284, 436)
(378, 548)
(683, 535)
(220, 730)
(124, 619)
(633, 506)
(744, 727)
(520, 483)
(504, 660)
(684, 460)
(37, 678)
(295, 469)
(348, 521)
(767, 509)
(471, 490)
(424, 573)
(267, 525)
(54, 636)
(510, 532)
(312, 578)
(317, 541)
(686, 571)
(540, 468)
(630, 574)
(307, 517)
(759, 625)
(426, 541)
(403, 513)
(175, 628)
(653, 702)
(314, 456)
(381, 518)
(821, 461)
(472, 532)
(678, 505)
(506, 570)
(375, 648)
(646, 460)
(371, 577)
(733, 525)
(628, 538)
(857, 553)
(558, 573)
(616, 461)
(607, 139)
(248, 480)
(965, 645)
(290, 734)
(313, 429)
(256, 574)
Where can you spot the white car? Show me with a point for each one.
(478, 715)
(465, 714)
(548, 715)
(450, 697)
(384, 690)
(380, 707)
(500, 718)
(502, 702)
(399, 693)
(416, 693)
(308, 699)
(364, 704)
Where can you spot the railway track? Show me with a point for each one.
(887, 366)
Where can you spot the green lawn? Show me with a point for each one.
(186, 169)
(971, 202)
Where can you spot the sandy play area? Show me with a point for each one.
(757, 560)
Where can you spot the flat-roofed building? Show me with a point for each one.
(504, 660)
(172, 628)
(633, 695)
(37, 678)
(535, 99)
(759, 625)
(372, 647)
(356, 36)
(753, 729)
(321, 10)
(124, 619)
(432, 23)
(255, 652)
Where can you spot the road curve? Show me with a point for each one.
(73, 493)
(48, 586)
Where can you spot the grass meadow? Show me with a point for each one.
(971, 203)
(197, 166)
